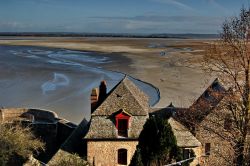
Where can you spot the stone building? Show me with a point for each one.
(210, 123)
(117, 121)
(212, 132)
(116, 124)
(209, 99)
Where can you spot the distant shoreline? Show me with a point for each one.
(115, 35)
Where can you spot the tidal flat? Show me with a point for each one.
(57, 79)
(58, 73)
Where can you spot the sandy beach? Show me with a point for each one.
(172, 65)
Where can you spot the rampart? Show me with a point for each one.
(32, 115)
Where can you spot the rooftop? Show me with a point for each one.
(126, 96)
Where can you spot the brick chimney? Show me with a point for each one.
(98, 95)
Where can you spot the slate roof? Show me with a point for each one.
(183, 136)
(202, 106)
(103, 127)
(210, 97)
(126, 96)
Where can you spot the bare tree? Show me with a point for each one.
(229, 57)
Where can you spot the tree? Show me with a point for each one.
(17, 144)
(136, 160)
(157, 143)
(229, 57)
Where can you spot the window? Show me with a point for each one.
(122, 156)
(122, 123)
(186, 154)
(123, 127)
(207, 149)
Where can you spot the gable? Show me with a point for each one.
(125, 96)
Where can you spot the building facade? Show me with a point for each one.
(117, 121)
(116, 124)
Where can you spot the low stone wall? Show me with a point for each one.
(11, 114)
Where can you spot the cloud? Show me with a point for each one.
(176, 3)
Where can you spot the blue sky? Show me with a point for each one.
(117, 16)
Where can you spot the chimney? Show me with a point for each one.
(94, 98)
(103, 91)
(98, 95)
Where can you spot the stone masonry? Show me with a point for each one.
(108, 156)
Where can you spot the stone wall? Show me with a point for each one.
(97, 149)
(211, 130)
(11, 114)
(197, 152)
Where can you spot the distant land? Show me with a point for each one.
(126, 35)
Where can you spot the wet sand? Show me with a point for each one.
(57, 79)
(172, 65)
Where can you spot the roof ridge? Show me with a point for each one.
(135, 96)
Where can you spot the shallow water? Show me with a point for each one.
(57, 79)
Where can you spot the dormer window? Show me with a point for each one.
(122, 123)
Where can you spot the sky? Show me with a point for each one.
(117, 16)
